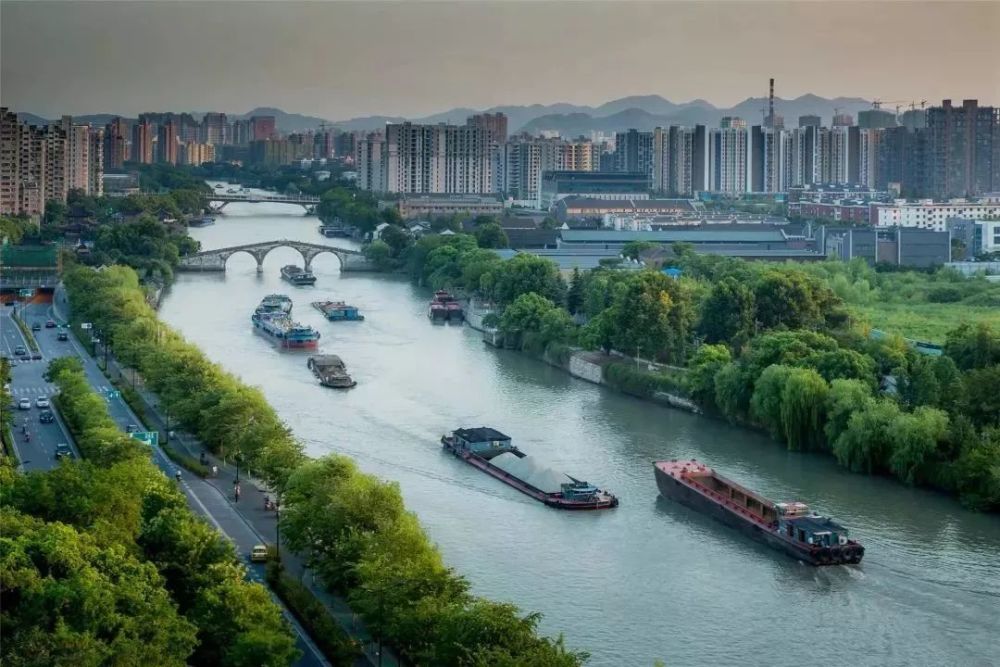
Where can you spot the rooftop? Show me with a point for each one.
(700, 235)
(481, 434)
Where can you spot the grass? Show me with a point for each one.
(28, 335)
(186, 461)
(929, 322)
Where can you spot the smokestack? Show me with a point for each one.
(770, 106)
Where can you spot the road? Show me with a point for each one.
(39, 452)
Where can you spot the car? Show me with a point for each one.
(63, 451)
(258, 554)
(131, 428)
(11, 304)
(20, 351)
(46, 417)
(62, 336)
(50, 324)
(42, 402)
(36, 355)
(36, 327)
(24, 404)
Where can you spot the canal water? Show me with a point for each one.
(648, 580)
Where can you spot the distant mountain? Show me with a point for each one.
(93, 119)
(284, 121)
(642, 112)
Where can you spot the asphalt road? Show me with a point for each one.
(39, 452)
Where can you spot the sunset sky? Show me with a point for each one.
(339, 60)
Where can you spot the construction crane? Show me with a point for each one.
(877, 104)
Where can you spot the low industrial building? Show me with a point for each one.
(557, 185)
(436, 206)
(900, 246)
(575, 207)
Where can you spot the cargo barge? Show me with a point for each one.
(338, 311)
(330, 370)
(271, 320)
(491, 451)
(297, 276)
(790, 527)
(445, 308)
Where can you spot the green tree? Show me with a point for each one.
(982, 396)
(574, 296)
(70, 601)
(521, 274)
(491, 235)
(727, 315)
(845, 398)
(973, 346)
(785, 299)
(803, 402)
(867, 443)
(379, 253)
(397, 238)
(915, 438)
(633, 249)
(707, 361)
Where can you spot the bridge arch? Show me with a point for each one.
(215, 260)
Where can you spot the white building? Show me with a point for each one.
(928, 214)
(727, 160)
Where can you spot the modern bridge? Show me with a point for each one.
(218, 200)
(215, 260)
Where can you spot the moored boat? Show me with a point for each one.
(330, 370)
(492, 452)
(297, 275)
(789, 526)
(269, 319)
(445, 307)
(334, 231)
(203, 221)
(337, 311)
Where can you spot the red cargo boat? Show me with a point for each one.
(480, 446)
(790, 527)
(445, 307)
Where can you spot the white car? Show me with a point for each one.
(24, 404)
(41, 402)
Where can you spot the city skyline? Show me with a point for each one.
(155, 57)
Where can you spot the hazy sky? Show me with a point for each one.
(339, 59)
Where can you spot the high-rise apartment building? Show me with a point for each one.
(240, 133)
(213, 128)
(77, 154)
(523, 159)
(196, 153)
(10, 163)
(634, 152)
(166, 143)
(495, 123)
(55, 161)
(869, 149)
(965, 149)
(673, 160)
(116, 144)
(95, 177)
(732, 123)
(438, 159)
(368, 162)
(142, 142)
(34, 169)
(843, 120)
(876, 119)
(262, 127)
(727, 159)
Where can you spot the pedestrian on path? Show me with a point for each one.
(215, 470)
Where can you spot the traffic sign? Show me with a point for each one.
(151, 438)
(26, 293)
(86, 325)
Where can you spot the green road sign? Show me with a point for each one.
(26, 293)
(151, 438)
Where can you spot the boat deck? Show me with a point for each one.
(702, 478)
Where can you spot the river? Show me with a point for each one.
(650, 579)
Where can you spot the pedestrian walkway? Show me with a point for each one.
(250, 505)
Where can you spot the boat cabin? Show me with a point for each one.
(796, 522)
(577, 490)
(483, 441)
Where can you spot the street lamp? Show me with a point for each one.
(277, 526)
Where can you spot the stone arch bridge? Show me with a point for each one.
(215, 260)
